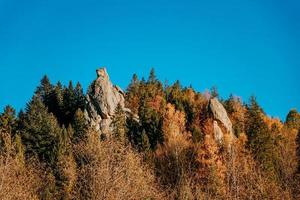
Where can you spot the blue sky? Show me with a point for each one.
(243, 47)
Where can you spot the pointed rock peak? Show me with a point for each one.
(102, 99)
(102, 73)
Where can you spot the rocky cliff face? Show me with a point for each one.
(222, 123)
(102, 99)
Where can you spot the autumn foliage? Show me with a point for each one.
(164, 149)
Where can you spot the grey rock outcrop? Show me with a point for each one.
(218, 134)
(222, 123)
(102, 99)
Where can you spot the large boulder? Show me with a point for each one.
(102, 99)
(222, 123)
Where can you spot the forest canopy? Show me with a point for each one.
(163, 142)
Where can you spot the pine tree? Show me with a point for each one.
(260, 140)
(152, 88)
(134, 83)
(175, 96)
(152, 77)
(56, 106)
(8, 120)
(44, 89)
(69, 104)
(255, 125)
(79, 126)
(151, 122)
(134, 131)
(118, 124)
(40, 131)
(79, 96)
(236, 112)
(132, 95)
(293, 119)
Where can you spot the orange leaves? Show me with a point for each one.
(211, 171)
(174, 121)
(174, 127)
(157, 103)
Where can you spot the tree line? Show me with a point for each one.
(49, 151)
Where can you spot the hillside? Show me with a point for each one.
(152, 141)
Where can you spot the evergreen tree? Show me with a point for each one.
(293, 119)
(134, 131)
(152, 77)
(175, 96)
(133, 86)
(151, 123)
(151, 88)
(229, 104)
(44, 89)
(255, 126)
(56, 105)
(69, 104)
(8, 120)
(260, 140)
(79, 96)
(118, 124)
(236, 112)
(64, 141)
(80, 126)
(40, 131)
(133, 94)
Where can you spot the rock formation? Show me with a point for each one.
(102, 99)
(222, 123)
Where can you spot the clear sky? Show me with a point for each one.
(243, 47)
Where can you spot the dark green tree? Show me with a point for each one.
(152, 88)
(79, 96)
(151, 122)
(8, 120)
(40, 131)
(44, 89)
(234, 108)
(56, 104)
(134, 84)
(80, 126)
(134, 131)
(260, 140)
(174, 95)
(152, 77)
(133, 94)
(118, 124)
